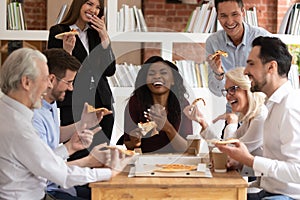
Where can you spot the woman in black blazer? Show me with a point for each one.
(92, 48)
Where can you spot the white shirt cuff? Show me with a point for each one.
(103, 174)
(261, 166)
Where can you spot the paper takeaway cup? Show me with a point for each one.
(219, 160)
(193, 144)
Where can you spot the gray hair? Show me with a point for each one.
(21, 62)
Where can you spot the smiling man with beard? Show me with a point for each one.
(268, 65)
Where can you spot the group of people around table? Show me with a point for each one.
(38, 152)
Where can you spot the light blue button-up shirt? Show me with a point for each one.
(237, 55)
(46, 122)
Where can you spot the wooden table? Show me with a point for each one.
(228, 185)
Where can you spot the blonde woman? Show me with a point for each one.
(248, 109)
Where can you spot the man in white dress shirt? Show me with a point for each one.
(26, 162)
(268, 65)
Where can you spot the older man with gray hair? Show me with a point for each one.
(26, 162)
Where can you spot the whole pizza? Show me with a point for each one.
(175, 167)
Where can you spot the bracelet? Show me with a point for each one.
(219, 75)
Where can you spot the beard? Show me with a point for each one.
(58, 95)
(36, 103)
(257, 87)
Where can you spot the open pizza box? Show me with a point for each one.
(154, 165)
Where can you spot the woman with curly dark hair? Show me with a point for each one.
(159, 96)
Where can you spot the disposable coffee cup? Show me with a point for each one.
(193, 144)
(219, 161)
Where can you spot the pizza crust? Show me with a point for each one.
(60, 36)
(199, 99)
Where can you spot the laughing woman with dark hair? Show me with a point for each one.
(159, 96)
(92, 48)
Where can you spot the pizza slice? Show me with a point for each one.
(147, 126)
(219, 52)
(228, 141)
(124, 151)
(60, 36)
(198, 99)
(91, 109)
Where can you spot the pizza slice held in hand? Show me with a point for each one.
(219, 52)
(147, 127)
(91, 109)
(60, 36)
(124, 151)
(227, 141)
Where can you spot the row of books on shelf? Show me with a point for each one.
(131, 19)
(204, 19)
(15, 16)
(124, 76)
(291, 21)
(194, 74)
(251, 16)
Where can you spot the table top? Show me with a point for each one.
(230, 179)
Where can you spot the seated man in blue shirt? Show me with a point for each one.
(62, 70)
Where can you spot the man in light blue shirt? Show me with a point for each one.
(62, 70)
(235, 38)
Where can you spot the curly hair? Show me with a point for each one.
(177, 91)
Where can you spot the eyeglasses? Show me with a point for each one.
(69, 83)
(230, 90)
